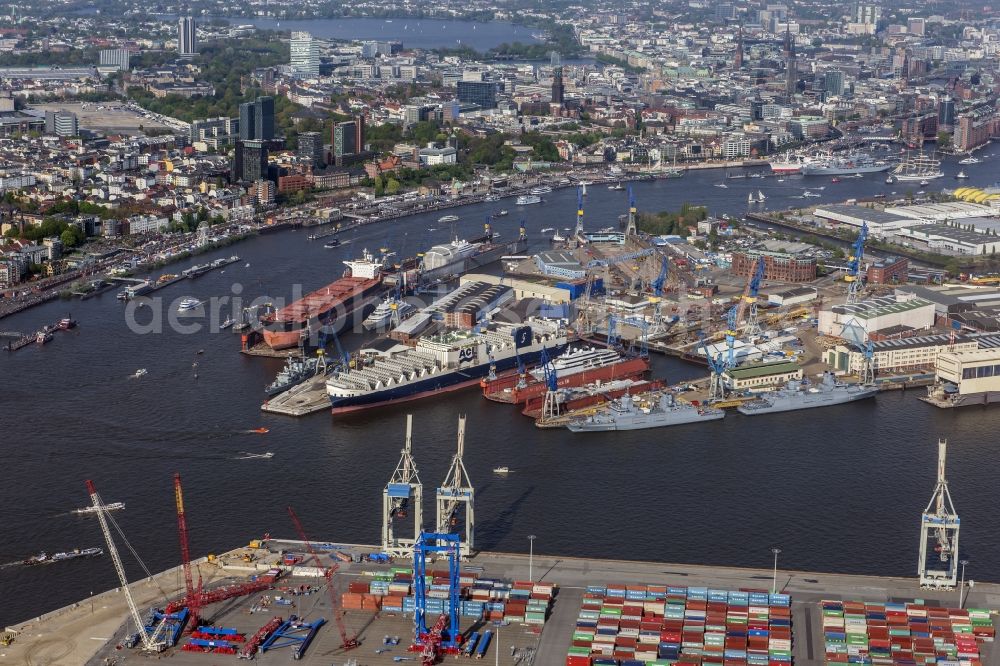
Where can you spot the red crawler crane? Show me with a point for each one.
(346, 642)
(193, 595)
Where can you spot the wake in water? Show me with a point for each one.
(252, 456)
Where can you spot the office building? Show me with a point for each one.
(791, 66)
(348, 138)
(304, 55)
(916, 26)
(61, 123)
(250, 161)
(834, 83)
(257, 120)
(215, 132)
(311, 147)
(480, 93)
(117, 58)
(946, 112)
(558, 88)
(187, 37)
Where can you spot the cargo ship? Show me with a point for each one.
(628, 413)
(575, 398)
(330, 307)
(447, 361)
(797, 395)
(575, 368)
(44, 558)
(461, 256)
(844, 165)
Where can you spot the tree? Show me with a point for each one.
(68, 239)
(392, 186)
(944, 140)
(379, 186)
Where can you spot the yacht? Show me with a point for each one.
(141, 372)
(961, 174)
(188, 304)
(528, 199)
(721, 185)
(970, 160)
(541, 189)
(448, 218)
(501, 470)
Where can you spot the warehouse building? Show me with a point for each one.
(898, 355)
(560, 264)
(970, 377)
(896, 313)
(880, 223)
(792, 296)
(951, 239)
(523, 288)
(942, 211)
(761, 376)
(783, 262)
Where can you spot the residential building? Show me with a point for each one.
(304, 52)
(215, 132)
(834, 83)
(311, 147)
(187, 37)
(250, 161)
(61, 123)
(348, 138)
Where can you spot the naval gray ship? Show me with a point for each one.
(798, 395)
(627, 413)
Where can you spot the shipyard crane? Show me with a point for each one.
(748, 302)
(630, 229)
(342, 354)
(614, 334)
(939, 524)
(868, 369)
(657, 297)
(455, 490)
(346, 642)
(150, 642)
(404, 491)
(855, 285)
(431, 641)
(717, 367)
(578, 232)
(193, 594)
(550, 408)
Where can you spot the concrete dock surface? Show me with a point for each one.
(89, 632)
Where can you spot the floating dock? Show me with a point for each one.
(308, 397)
(90, 631)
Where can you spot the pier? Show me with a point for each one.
(90, 631)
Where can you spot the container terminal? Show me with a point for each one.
(277, 599)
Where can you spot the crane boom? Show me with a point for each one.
(148, 642)
(346, 642)
(193, 599)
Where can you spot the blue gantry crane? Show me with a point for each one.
(855, 285)
(551, 406)
(614, 334)
(717, 366)
(443, 636)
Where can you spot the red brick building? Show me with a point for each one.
(890, 270)
(779, 266)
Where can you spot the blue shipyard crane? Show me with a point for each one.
(551, 406)
(614, 334)
(657, 298)
(748, 302)
(630, 229)
(578, 232)
(868, 369)
(717, 367)
(444, 635)
(855, 285)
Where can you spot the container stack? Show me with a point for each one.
(903, 633)
(518, 602)
(628, 625)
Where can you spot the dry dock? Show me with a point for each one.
(308, 397)
(88, 632)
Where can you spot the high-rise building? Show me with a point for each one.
(187, 37)
(481, 93)
(946, 112)
(115, 58)
(347, 138)
(61, 123)
(215, 131)
(311, 147)
(866, 13)
(916, 26)
(738, 58)
(791, 66)
(304, 55)
(834, 84)
(558, 88)
(257, 120)
(250, 161)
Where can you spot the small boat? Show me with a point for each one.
(617, 187)
(331, 244)
(227, 324)
(250, 456)
(261, 431)
(558, 237)
(834, 180)
(961, 175)
(449, 218)
(760, 196)
(247, 266)
(66, 323)
(501, 470)
(528, 199)
(750, 198)
(889, 180)
(43, 336)
(723, 185)
(501, 213)
(859, 175)
(43, 558)
(548, 230)
(141, 372)
(188, 304)
(113, 506)
(924, 182)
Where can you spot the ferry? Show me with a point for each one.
(446, 361)
(449, 218)
(188, 304)
(787, 167)
(970, 160)
(541, 189)
(43, 336)
(113, 506)
(528, 199)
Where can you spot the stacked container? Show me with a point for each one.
(626, 625)
(903, 633)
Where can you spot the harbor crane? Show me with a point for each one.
(550, 408)
(748, 301)
(657, 297)
(855, 285)
(151, 642)
(578, 232)
(444, 636)
(630, 229)
(868, 369)
(615, 322)
(939, 525)
(717, 367)
(193, 594)
(455, 490)
(346, 642)
(403, 493)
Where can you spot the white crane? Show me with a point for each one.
(939, 524)
(403, 493)
(457, 489)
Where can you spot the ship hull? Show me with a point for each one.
(473, 261)
(423, 388)
(506, 389)
(645, 421)
(844, 171)
(534, 408)
(286, 335)
(820, 400)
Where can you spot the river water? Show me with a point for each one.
(414, 33)
(838, 489)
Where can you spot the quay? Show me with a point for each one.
(89, 631)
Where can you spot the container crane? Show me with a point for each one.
(939, 524)
(150, 642)
(455, 490)
(855, 285)
(193, 594)
(404, 491)
(431, 642)
(346, 642)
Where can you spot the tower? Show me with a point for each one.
(791, 67)
(738, 59)
(187, 37)
(455, 490)
(939, 526)
(403, 493)
(558, 89)
(578, 232)
(304, 55)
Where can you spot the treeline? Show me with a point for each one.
(671, 222)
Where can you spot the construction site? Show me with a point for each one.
(425, 593)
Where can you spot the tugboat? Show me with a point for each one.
(66, 323)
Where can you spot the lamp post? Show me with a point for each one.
(496, 646)
(774, 578)
(531, 557)
(961, 589)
